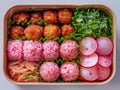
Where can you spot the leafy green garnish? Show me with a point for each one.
(42, 39)
(21, 38)
(91, 22)
(10, 23)
(60, 61)
(77, 61)
(41, 61)
(42, 22)
(60, 39)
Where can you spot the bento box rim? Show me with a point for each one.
(101, 6)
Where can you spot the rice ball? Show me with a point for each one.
(50, 50)
(49, 71)
(69, 71)
(69, 50)
(32, 50)
(14, 50)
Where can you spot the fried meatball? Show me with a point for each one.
(65, 16)
(16, 31)
(52, 31)
(50, 16)
(33, 32)
(35, 17)
(67, 30)
(20, 17)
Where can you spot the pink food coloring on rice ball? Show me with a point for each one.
(69, 49)
(32, 50)
(50, 50)
(14, 50)
(49, 71)
(69, 71)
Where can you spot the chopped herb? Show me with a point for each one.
(91, 22)
(34, 74)
(28, 75)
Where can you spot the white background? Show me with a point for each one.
(113, 84)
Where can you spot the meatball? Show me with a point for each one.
(33, 32)
(69, 71)
(32, 50)
(52, 31)
(67, 30)
(20, 17)
(49, 71)
(14, 50)
(50, 50)
(16, 31)
(69, 50)
(50, 16)
(36, 17)
(65, 16)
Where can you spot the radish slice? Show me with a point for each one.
(89, 61)
(88, 46)
(89, 74)
(103, 72)
(105, 61)
(105, 46)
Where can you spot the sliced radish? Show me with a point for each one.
(89, 61)
(88, 46)
(105, 46)
(103, 72)
(105, 61)
(89, 74)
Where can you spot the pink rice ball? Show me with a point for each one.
(50, 50)
(69, 49)
(14, 50)
(32, 50)
(49, 71)
(69, 71)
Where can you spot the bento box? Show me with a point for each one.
(59, 44)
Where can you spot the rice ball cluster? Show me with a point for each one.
(24, 50)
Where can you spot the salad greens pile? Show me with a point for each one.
(91, 22)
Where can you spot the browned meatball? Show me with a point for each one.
(50, 16)
(20, 17)
(67, 30)
(16, 31)
(65, 16)
(33, 32)
(52, 31)
(35, 17)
